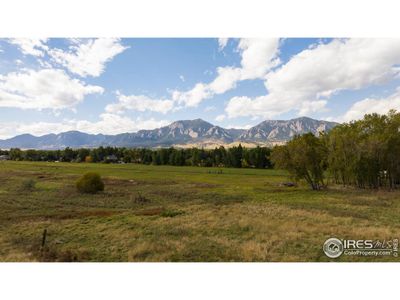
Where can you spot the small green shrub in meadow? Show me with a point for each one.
(90, 183)
(171, 213)
(28, 184)
(141, 199)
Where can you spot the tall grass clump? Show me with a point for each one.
(28, 184)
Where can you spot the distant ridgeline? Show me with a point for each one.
(180, 134)
(236, 157)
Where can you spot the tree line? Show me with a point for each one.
(363, 153)
(236, 157)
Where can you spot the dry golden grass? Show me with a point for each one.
(192, 215)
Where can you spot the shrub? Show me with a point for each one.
(141, 199)
(90, 183)
(28, 185)
(171, 213)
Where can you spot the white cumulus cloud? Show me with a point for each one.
(193, 97)
(222, 42)
(259, 56)
(46, 88)
(114, 124)
(35, 47)
(139, 103)
(372, 105)
(247, 126)
(84, 57)
(88, 57)
(307, 81)
(220, 118)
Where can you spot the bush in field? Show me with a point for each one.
(171, 213)
(28, 185)
(141, 199)
(90, 183)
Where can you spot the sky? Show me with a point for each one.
(111, 85)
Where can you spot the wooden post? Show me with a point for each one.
(44, 237)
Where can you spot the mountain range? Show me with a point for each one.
(185, 133)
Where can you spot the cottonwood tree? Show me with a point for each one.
(304, 157)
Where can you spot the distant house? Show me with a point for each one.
(111, 158)
(4, 157)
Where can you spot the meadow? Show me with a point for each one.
(166, 213)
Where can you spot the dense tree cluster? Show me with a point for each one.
(236, 157)
(364, 153)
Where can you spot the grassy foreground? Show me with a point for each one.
(187, 214)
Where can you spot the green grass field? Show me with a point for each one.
(188, 214)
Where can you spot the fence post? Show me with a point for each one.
(44, 238)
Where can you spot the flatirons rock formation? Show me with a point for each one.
(183, 133)
(279, 130)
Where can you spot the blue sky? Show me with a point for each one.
(124, 85)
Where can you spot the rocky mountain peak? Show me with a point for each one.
(183, 132)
